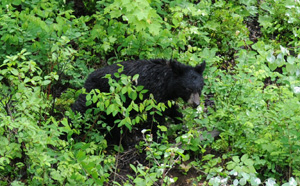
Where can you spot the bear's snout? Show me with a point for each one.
(194, 99)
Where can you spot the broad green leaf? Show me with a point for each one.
(80, 156)
(141, 15)
(242, 181)
(133, 95)
(139, 88)
(272, 66)
(124, 90)
(133, 168)
(154, 28)
(291, 60)
(231, 165)
(46, 82)
(162, 128)
(110, 109)
(271, 58)
(265, 21)
(169, 104)
(255, 181)
(16, 2)
(95, 98)
(15, 72)
(244, 157)
(236, 159)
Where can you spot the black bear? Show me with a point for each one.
(165, 79)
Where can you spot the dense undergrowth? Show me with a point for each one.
(252, 92)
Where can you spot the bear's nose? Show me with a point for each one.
(194, 99)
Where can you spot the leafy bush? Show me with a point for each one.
(251, 95)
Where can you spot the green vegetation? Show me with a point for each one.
(252, 92)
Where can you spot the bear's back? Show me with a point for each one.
(154, 75)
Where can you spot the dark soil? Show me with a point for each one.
(254, 28)
(131, 156)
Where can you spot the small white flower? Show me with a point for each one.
(296, 90)
(144, 131)
(257, 180)
(224, 181)
(292, 182)
(199, 109)
(172, 180)
(270, 182)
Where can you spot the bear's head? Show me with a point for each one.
(187, 82)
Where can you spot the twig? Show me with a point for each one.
(148, 145)
(118, 155)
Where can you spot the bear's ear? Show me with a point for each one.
(176, 67)
(200, 68)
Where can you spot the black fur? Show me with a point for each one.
(165, 79)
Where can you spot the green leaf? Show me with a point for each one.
(123, 98)
(291, 60)
(133, 95)
(169, 104)
(272, 66)
(16, 2)
(135, 77)
(142, 107)
(140, 15)
(236, 159)
(271, 58)
(255, 181)
(213, 25)
(149, 107)
(105, 46)
(80, 156)
(139, 181)
(244, 157)
(265, 21)
(107, 103)
(110, 109)
(231, 165)
(141, 96)
(46, 82)
(124, 90)
(162, 128)
(154, 28)
(133, 168)
(242, 181)
(95, 98)
(139, 88)
(144, 91)
(15, 72)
